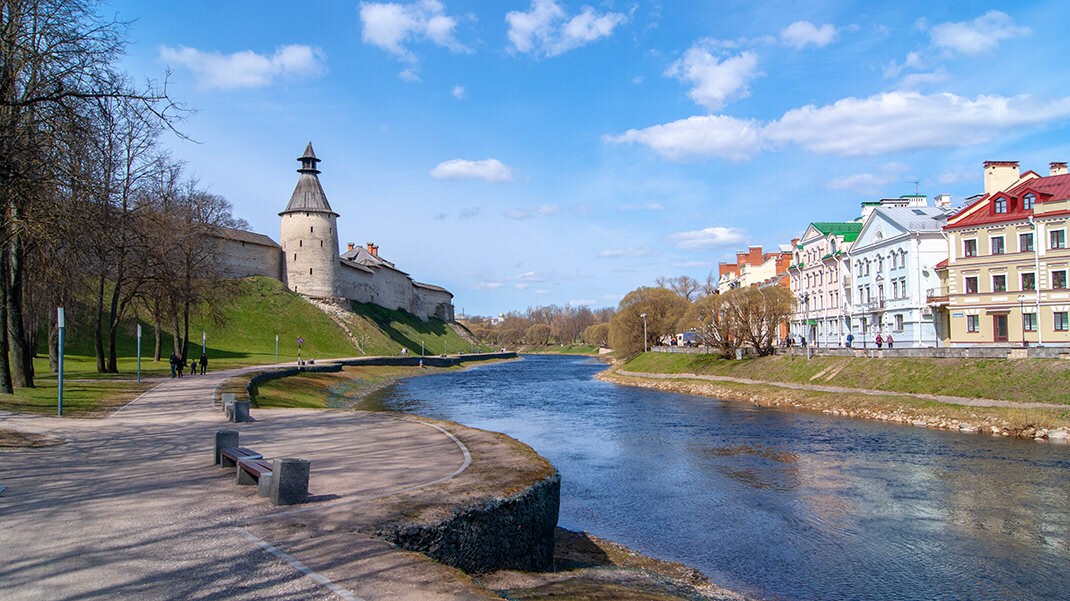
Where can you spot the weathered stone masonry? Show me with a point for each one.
(308, 262)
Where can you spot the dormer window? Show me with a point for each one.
(1000, 205)
(1028, 200)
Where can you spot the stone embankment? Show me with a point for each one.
(515, 533)
(769, 396)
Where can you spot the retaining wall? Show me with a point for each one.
(515, 533)
(975, 352)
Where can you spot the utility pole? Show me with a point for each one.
(60, 326)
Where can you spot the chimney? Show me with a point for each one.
(350, 245)
(370, 245)
(1057, 169)
(1000, 175)
(375, 250)
(943, 200)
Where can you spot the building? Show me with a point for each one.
(307, 258)
(816, 281)
(890, 268)
(755, 268)
(1008, 261)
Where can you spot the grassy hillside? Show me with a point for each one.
(1027, 380)
(386, 331)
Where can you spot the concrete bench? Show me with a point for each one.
(255, 471)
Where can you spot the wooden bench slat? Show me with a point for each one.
(256, 467)
(235, 453)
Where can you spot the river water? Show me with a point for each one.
(775, 503)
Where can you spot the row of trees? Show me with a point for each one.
(95, 216)
(541, 325)
(750, 316)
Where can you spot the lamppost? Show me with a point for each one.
(1021, 312)
(643, 315)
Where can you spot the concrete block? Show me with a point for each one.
(228, 409)
(289, 481)
(241, 412)
(263, 488)
(224, 439)
(228, 397)
(242, 477)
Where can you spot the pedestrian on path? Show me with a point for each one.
(879, 341)
(889, 340)
(193, 367)
(850, 340)
(174, 363)
(204, 362)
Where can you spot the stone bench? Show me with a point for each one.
(283, 480)
(255, 471)
(236, 411)
(230, 456)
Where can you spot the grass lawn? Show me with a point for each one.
(345, 389)
(1025, 380)
(80, 398)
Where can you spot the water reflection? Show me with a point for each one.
(776, 503)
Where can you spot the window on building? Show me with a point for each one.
(1058, 279)
(898, 323)
(1029, 322)
(969, 248)
(880, 264)
(999, 283)
(895, 288)
(1028, 200)
(971, 285)
(1001, 205)
(973, 323)
(903, 287)
(859, 269)
(311, 229)
(867, 266)
(1025, 242)
(997, 245)
(1058, 238)
(880, 293)
(1060, 321)
(1029, 281)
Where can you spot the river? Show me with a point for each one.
(774, 503)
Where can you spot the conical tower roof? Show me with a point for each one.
(308, 196)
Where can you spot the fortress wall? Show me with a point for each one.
(385, 287)
(237, 259)
(435, 303)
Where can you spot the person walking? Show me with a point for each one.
(193, 367)
(174, 363)
(889, 340)
(850, 339)
(879, 341)
(204, 362)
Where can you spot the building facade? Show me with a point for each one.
(891, 267)
(1008, 261)
(755, 268)
(817, 282)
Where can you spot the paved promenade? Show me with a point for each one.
(132, 506)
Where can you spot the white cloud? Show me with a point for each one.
(546, 29)
(548, 209)
(527, 213)
(410, 74)
(487, 286)
(708, 238)
(582, 302)
(458, 92)
(912, 61)
(488, 170)
(804, 33)
(916, 80)
(716, 82)
(626, 252)
(904, 121)
(980, 35)
(519, 214)
(246, 69)
(390, 26)
(698, 137)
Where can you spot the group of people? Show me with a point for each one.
(178, 365)
(879, 340)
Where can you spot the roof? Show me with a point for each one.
(229, 233)
(308, 196)
(916, 219)
(848, 229)
(432, 287)
(359, 255)
(1048, 189)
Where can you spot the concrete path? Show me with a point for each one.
(951, 400)
(132, 506)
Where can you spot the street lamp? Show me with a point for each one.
(1021, 312)
(643, 315)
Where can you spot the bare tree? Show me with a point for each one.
(664, 310)
(758, 313)
(713, 321)
(685, 286)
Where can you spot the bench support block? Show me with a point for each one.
(223, 440)
(289, 481)
(240, 412)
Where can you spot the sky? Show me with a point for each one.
(538, 152)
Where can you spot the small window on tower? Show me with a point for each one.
(309, 271)
(295, 256)
(311, 229)
(321, 243)
(300, 243)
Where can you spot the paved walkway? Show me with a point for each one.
(133, 507)
(951, 400)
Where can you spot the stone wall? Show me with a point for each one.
(238, 259)
(974, 352)
(515, 533)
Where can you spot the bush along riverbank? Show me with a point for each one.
(804, 385)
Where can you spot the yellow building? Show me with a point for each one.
(1008, 261)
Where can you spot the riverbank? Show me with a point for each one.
(807, 385)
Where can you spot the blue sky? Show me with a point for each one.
(553, 152)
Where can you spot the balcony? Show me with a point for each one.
(937, 296)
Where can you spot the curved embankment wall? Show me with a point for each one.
(515, 533)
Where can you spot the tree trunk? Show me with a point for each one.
(185, 330)
(178, 334)
(53, 344)
(98, 326)
(5, 364)
(157, 331)
(22, 361)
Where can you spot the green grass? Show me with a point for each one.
(80, 398)
(330, 390)
(386, 331)
(1026, 380)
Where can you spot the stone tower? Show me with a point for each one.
(309, 235)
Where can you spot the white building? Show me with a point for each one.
(891, 266)
(816, 281)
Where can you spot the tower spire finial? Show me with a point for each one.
(308, 161)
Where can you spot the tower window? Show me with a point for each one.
(309, 271)
(295, 256)
(321, 243)
(311, 229)
(300, 243)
